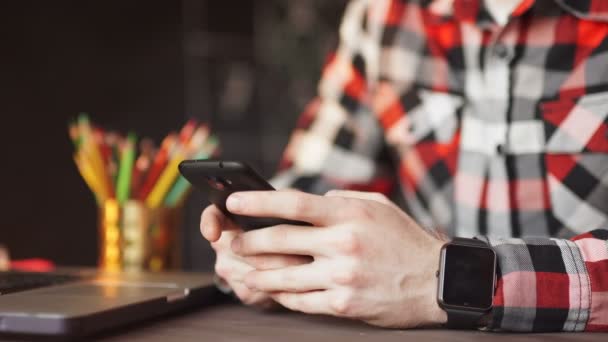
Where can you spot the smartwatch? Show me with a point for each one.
(467, 277)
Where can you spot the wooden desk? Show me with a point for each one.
(233, 322)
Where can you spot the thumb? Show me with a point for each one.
(213, 222)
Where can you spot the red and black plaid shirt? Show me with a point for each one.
(490, 118)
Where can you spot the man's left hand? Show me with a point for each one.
(371, 261)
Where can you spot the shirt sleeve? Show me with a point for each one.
(550, 284)
(338, 141)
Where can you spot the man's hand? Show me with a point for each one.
(371, 261)
(220, 231)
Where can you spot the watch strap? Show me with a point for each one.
(464, 320)
(469, 242)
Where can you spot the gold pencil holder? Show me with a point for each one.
(134, 237)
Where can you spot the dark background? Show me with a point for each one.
(246, 67)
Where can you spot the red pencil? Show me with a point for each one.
(99, 136)
(187, 131)
(141, 167)
(142, 164)
(160, 162)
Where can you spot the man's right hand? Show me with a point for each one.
(219, 230)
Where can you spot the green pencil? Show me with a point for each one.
(181, 186)
(175, 195)
(74, 133)
(123, 183)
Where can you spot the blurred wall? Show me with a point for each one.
(119, 60)
(250, 68)
(246, 67)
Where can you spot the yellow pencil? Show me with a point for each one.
(166, 179)
(170, 174)
(89, 177)
(90, 147)
(104, 192)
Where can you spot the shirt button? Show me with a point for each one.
(501, 51)
(500, 149)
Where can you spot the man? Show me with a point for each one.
(491, 119)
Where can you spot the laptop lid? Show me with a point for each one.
(102, 301)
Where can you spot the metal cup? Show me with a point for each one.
(133, 237)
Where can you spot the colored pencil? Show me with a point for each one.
(181, 187)
(74, 135)
(106, 155)
(114, 168)
(88, 174)
(166, 179)
(140, 169)
(112, 140)
(93, 152)
(187, 131)
(195, 139)
(160, 162)
(125, 169)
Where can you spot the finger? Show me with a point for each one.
(249, 296)
(213, 221)
(301, 278)
(293, 205)
(364, 195)
(314, 302)
(231, 268)
(274, 261)
(282, 239)
(222, 245)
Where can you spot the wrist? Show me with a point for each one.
(436, 315)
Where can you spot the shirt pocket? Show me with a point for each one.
(432, 119)
(426, 140)
(576, 161)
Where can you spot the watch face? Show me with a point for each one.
(468, 276)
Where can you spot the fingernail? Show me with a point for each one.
(234, 202)
(236, 245)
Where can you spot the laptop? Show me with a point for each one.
(76, 302)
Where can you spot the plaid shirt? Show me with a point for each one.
(489, 120)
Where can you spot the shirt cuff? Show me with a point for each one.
(542, 285)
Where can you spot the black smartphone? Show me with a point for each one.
(217, 179)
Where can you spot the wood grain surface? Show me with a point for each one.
(234, 322)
